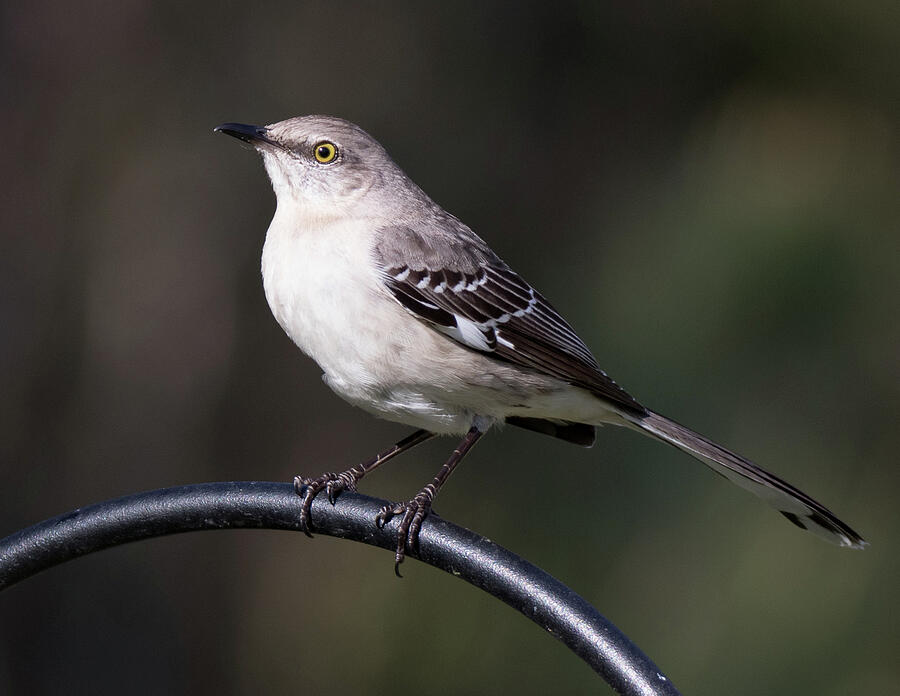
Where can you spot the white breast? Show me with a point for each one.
(318, 281)
(323, 287)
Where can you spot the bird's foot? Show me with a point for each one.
(331, 483)
(413, 511)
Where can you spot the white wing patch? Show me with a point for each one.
(492, 310)
(470, 334)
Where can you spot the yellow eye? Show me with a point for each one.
(325, 152)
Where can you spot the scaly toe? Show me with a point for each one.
(308, 489)
(387, 513)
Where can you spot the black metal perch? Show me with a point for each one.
(264, 505)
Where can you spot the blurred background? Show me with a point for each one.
(708, 191)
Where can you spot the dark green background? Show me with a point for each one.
(710, 192)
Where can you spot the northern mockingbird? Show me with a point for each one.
(413, 318)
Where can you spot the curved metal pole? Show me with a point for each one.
(263, 505)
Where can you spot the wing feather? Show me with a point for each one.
(471, 296)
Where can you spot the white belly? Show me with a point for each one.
(323, 290)
(316, 288)
(322, 286)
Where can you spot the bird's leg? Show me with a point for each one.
(415, 510)
(333, 484)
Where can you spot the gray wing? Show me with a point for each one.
(448, 277)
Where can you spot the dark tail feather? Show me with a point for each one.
(794, 504)
(577, 433)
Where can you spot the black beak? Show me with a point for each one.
(247, 133)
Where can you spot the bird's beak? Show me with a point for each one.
(255, 135)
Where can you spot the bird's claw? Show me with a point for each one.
(414, 512)
(309, 488)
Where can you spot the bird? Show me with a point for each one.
(412, 317)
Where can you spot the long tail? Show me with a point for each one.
(794, 504)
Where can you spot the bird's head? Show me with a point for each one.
(324, 163)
